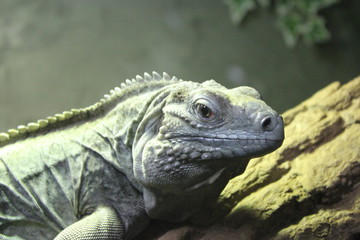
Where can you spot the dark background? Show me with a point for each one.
(57, 55)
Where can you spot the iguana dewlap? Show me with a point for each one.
(156, 148)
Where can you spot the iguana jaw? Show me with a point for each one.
(177, 163)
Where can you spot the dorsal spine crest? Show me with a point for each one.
(75, 115)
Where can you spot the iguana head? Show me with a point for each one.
(195, 139)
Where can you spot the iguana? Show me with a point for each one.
(157, 147)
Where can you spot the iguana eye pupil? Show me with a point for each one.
(204, 111)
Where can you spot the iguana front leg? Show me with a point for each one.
(103, 223)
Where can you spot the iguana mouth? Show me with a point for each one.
(212, 139)
(242, 140)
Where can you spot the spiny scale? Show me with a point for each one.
(32, 127)
(139, 79)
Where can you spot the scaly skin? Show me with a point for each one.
(159, 148)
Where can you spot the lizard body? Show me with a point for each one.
(156, 148)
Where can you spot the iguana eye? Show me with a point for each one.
(204, 111)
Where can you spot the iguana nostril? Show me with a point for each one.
(267, 123)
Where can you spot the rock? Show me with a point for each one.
(307, 189)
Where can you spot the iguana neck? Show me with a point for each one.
(129, 119)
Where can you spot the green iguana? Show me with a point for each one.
(156, 148)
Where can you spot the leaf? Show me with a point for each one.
(296, 19)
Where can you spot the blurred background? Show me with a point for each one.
(61, 54)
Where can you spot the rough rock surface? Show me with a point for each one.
(308, 189)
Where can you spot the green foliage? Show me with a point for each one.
(297, 19)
